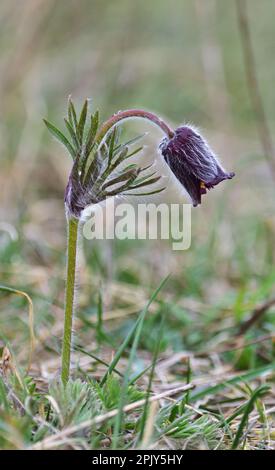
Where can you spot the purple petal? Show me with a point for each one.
(193, 162)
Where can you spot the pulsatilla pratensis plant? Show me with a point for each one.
(102, 168)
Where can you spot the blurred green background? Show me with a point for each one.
(183, 60)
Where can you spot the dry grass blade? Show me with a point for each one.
(31, 318)
(257, 313)
(253, 85)
(149, 426)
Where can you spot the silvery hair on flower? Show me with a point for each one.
(192, 161)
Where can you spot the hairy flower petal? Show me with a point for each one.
(193, 162)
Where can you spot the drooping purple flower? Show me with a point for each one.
(193, 162)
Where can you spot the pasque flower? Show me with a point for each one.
(102, 168)
(193, 162)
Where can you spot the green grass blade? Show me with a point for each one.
(118, 420)
(130, 335)
(151, 376)
(262, 390)
(251, 375)
(96, 358)
(99, 323)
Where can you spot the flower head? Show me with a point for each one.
(101, 168)
(193, 162)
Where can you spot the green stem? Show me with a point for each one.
(69, 298)
(133, 113)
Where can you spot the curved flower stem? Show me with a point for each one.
(69, 298)
(132, 113)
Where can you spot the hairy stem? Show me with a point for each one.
(130, 113)
(69, 298)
